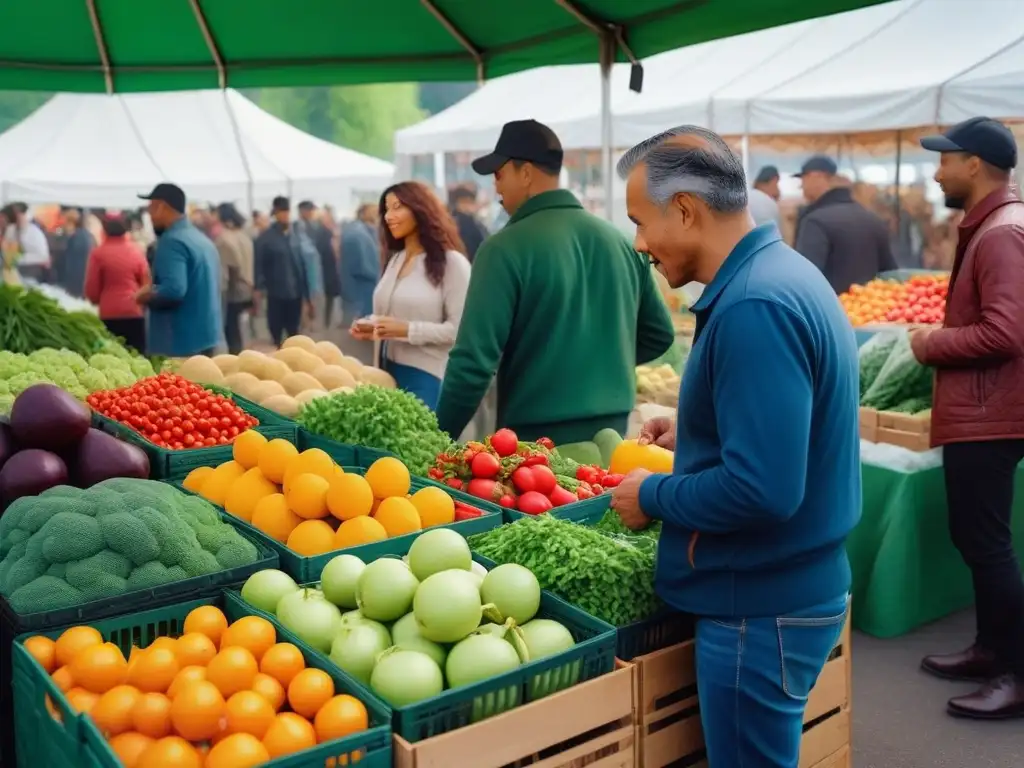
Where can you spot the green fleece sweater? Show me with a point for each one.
(562, 309)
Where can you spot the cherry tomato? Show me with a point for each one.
(546, 442)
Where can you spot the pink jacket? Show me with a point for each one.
(116, 271)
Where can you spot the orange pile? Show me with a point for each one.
(919, 300)
(218, 696)
(309, 503)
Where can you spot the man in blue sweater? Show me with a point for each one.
(766, 482)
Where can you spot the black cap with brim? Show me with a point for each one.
(489, 164)
(940, 144)
(171, 194)
(982, 137)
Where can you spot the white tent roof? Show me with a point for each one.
(98, 150)
(902, 64)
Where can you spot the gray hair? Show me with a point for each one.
(713, 173)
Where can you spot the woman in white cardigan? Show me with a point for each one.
(417, 305)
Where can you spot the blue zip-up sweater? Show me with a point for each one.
(766, 483)
(184, 310)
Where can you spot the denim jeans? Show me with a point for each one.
(753, 679)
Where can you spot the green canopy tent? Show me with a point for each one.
(119, 46)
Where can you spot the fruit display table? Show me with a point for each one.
(906, 572)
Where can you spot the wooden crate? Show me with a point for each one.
(590, 725)
(668, 713)
(868, 420)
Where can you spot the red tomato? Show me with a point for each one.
(587, 474)
(507, 501)
(533, 503)
(560, 497)
(485, 465)
(546, 442)
(504, 442)
(544, 479)
(535, 460)
(454, 482)
(584, 492)
(483, 489)
(524, 480)
(611, 481)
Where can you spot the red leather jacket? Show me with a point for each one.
(978, 354)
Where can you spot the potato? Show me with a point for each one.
(308, 396)
(226, 363)
(274, 370)
(201, 370)
(285, 405)
(251, 361)
(300, 341)
(297, 381)
(353, 366)
(328, 352)
(264, 389)
(334, 376)
(243, 383)
(298, 359)
(378, 377)
(345, 390)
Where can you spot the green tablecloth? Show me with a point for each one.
(906, 571)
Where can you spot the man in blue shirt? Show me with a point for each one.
(184, 297)
(766, 481)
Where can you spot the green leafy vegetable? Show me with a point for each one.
(386, 419)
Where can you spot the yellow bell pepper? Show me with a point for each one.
(630, 455)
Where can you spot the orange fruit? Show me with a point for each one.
(207, 619)
(239, 750)
(349, 496)
(434, 506)
(339, 717)
(246, 448)
(388, 477)
(246, 493)
(270, 689)
(154, 669)
(216, 486)
(194, 480)
(194, 649)
(309, 690)
(162, 642)
(74, 640)
(248, 712)
(253, 633)
(197, 710)
(129, 747)
(44, 651)
(191, 674)
(288, 734)
(99, 668)
(282, 662)
(274, 458)
(152, 715)
(171, 752)
(113, 711)
(358, 530)
(232, 670)
(398, 516)
(311, 537)
(307, 496)
(272, 516)
(81, 700)
(64, 679)
(311, 461)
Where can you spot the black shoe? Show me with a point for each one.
(976, 664)
(1000, 699)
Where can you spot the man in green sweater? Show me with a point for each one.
(560, 307)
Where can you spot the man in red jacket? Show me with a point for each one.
(978, 409)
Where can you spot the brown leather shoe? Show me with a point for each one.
(1000, 699)
(975, 665)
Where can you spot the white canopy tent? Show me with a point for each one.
(903, 64)
(102, 151)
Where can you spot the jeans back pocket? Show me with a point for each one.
(804, 646)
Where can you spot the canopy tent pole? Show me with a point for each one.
(607, 172)
(250, 192)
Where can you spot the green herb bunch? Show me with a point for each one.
(386, 419)
(30, 320)
(612, 525)
(608, 576)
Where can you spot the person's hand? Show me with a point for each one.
(144, 294)
(391, 328)
(361, 330)
(626, 500)
(254, 310)
(919, 343)
(660, 431)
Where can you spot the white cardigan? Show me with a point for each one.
(433, 312)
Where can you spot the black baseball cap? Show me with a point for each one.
(525, 140)
(820, 164)
(984, 137)
(171, 194)
(766, 174)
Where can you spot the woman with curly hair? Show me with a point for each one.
(417, 305)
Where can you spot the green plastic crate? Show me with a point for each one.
(302, 568)
(592, 656)
(266, 416)
(75, 741)
(578, 511)
(164, 463)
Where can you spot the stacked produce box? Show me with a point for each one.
(896, 393)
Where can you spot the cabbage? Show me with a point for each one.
(93, 380)
(102, 362)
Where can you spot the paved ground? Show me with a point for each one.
(899, 712)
